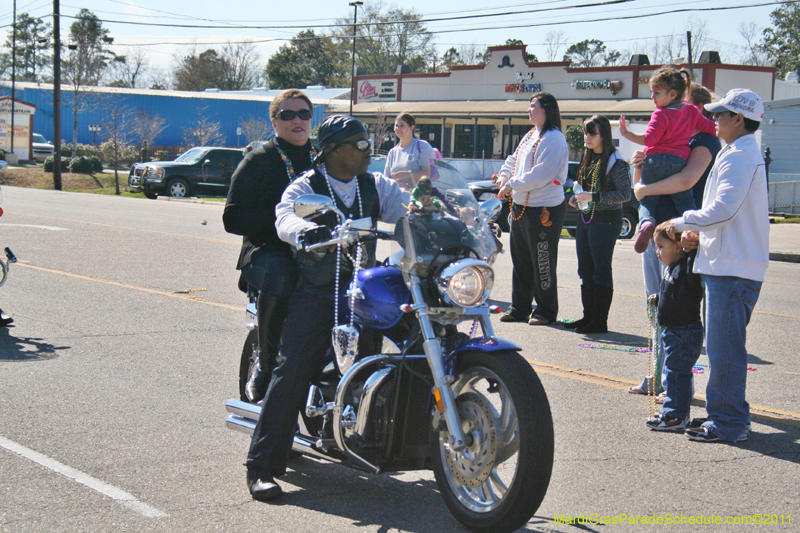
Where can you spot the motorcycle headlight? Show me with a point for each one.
(466, 283)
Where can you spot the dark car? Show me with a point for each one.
(485, 189)
(200, 171)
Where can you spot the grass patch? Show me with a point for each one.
(787, 219)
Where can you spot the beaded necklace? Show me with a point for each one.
(357, 261)
(533, 154)
(592, 188)
(286, 161)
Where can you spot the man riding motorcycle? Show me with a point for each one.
(317, 303)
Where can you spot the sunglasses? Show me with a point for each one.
(361, 146)
(287, 115)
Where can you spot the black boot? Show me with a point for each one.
(587, 299)
(262, 485)
(602, 303)
(5, 320)
(270, 317)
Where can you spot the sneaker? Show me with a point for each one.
(703, 434)
(661, 422)
(511, 317)
(539, 321)
(696, 423)
(643, 238)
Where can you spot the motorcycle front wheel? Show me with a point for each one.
(499, 480)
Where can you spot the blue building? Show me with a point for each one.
(178, 109)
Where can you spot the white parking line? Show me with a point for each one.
(115, 493)
(51, 228)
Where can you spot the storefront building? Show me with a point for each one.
(480, 111)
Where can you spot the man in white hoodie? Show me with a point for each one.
(732, 257)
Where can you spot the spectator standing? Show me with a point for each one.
(410, 160)
(682, 332)
(605, 179)
(701, 159)
(666, 142)
(731, 232)
(532, 180)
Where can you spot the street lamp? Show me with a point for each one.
(95, 129)
(353, 69)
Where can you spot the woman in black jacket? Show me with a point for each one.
(604, 177)
(256, 188)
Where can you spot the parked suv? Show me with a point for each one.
(200, 171)
(42, 148)
(483, 190)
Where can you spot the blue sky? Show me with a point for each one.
(631, 35)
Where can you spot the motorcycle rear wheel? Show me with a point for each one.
(246, 363)
(499, 480)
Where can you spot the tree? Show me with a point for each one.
(234, 68)
(783, 41)
(130, 70)
(531, 58)
(86, 61)
(590, 53)
(754, 52)
(244, 71)
(387, 37)
(202, 131)
(308, 60)
(195, 72)
(145, 127)
(451, 57)
(115, 124)
(554, 41)
(255, 129)
(574, 136)
(33, 45)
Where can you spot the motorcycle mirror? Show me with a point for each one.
(310, 206)
(491, 208)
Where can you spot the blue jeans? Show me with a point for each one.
(729, 303)
(273, 273)
(656, 168)
(595, 243)
(682, 346)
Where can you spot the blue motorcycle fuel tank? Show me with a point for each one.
(384, 291)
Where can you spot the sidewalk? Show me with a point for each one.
(784, 242)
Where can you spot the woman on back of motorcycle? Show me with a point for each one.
(256, 188)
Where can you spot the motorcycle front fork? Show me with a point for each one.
(441, 379)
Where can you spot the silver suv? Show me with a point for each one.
(42, 148)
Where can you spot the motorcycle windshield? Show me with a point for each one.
(444, 226)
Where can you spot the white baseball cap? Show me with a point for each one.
(742, 101)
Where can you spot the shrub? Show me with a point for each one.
(81, 165)
(127, 153)
(66, 161)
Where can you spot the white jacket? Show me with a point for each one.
(545, 177)
(734, 220)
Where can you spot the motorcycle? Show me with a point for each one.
(433, 396)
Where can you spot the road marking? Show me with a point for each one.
(209, 239)
(791, 419)
(127, 286)
(115, 493)
(51, 228)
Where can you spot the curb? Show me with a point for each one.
(784, 257)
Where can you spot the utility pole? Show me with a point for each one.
(13, 72)
(56, 95)
(689, 45)
(353, 71)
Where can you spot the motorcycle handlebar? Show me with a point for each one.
(349, 237)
